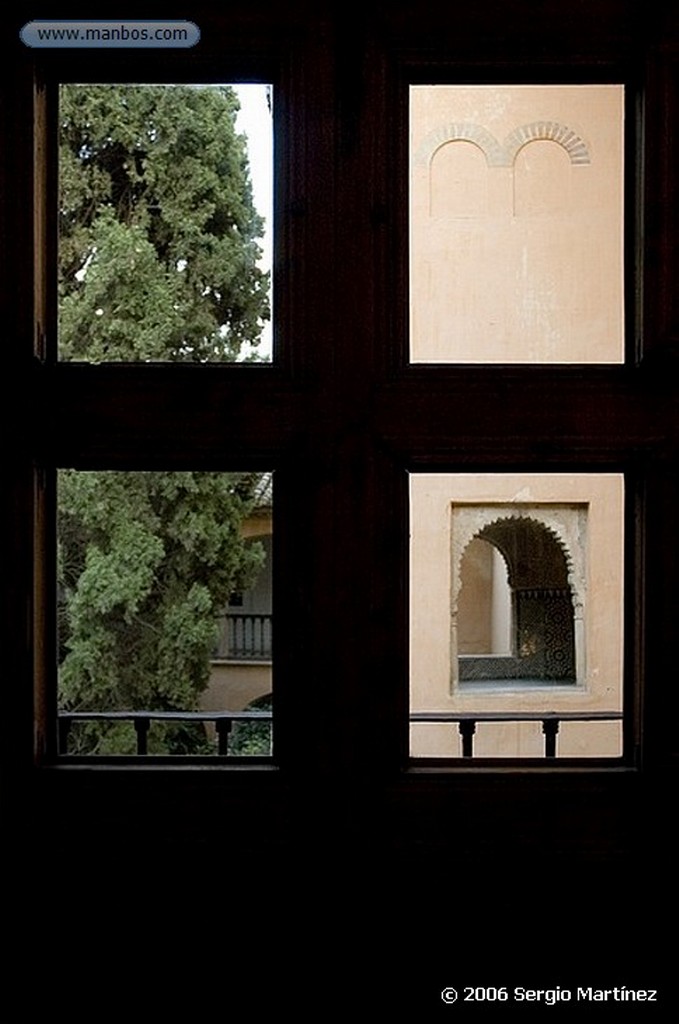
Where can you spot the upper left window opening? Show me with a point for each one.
(165, 223)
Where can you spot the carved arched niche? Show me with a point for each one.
(544, 550)
(458, 185)
(542, 181)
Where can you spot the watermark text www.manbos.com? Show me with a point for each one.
(109, 34)
(549, 996)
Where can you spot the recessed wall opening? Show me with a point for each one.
(514, 615)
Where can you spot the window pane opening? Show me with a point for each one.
(157, 656)
(516, 615)
(515, 620)
(165, 223)
(516, 224)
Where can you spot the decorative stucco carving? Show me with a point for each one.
(544, 548)
(567, 524)
(503, 154)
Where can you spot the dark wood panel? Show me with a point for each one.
(343, 418)
(504, 416)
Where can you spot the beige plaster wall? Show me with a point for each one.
(233, 685)
(475, 605)
(433, 659)
(260, 525)
(516, 223)
(484, 611)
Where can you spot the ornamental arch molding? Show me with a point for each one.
(492, 150)
(503, 154)
(544, 550)
(547, 131)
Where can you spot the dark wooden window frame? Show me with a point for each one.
(342, 419)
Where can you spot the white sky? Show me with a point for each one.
(255, 121)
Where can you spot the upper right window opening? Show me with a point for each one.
(516, 224)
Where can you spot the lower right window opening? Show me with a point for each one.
(516, 615)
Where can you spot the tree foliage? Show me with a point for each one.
(158, 233)
(252, 738)
(158, 261)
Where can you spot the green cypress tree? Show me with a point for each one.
(158, 262)
(158, 231)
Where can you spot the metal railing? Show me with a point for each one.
(244, 638)
(223, 721)
(141, 720)
(467, 721)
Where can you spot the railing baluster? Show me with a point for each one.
(467, 729)
(64, 730)
(246, 637)
(550, 727)
(141, 726)
(223, 727)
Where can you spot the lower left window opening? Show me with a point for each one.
(164, 614)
